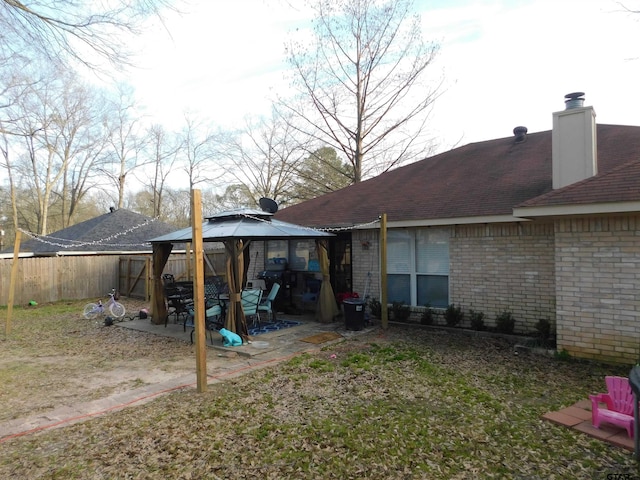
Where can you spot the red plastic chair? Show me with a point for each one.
(619, 402)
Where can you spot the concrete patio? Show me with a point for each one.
(285, 341)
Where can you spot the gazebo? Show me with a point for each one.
(236, 229)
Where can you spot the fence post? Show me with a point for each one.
(12, 284)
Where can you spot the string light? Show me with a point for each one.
(352, 227)
(327, 229)
(106, 241)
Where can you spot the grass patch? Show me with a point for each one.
(412, 404)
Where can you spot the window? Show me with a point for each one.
(277, 255)
(418, 266)
(299, 255)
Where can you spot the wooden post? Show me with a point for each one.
(12, 282)
(127, 282)
(383, 272)
(208, 262)
(151, 288)
(198, 292)
(187, 259)
(147, 279)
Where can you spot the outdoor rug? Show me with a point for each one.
(273, 326)
(321, 337)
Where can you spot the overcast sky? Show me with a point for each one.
(505, 63)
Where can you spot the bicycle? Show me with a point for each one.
(92, 310)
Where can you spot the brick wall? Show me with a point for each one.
(493, 268)
(365, 259)
(504, 267)
(598, 287)
(583, 275)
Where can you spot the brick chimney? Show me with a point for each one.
(574, 145)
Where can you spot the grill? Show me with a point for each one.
(287, 281)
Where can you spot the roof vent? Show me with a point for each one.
(520, 133)
(574, 100)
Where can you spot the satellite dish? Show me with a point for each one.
(268, 205)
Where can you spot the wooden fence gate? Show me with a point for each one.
(135, 275)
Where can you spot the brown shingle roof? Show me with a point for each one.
(622, 184)
(479, 179)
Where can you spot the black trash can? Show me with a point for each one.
(354, 313)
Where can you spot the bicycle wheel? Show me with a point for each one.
(117, 310)
(90, 311)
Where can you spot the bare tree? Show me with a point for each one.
(177, 207)
(162, 152)
(10, 199)
(77, 30)
(77, 136)
(125, 141)
(13, 85)
(264, 157)
(363, 85)
(56, 125)
(198, 152)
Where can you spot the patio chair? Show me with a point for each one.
(267, 304)
(619, 403)
(179, 300)
(213, 319)
(250, 301)
(211, 294)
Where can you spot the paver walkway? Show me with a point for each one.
(578, 417)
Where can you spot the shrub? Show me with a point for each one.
(477, 320)
(453, 315)
(400, 311)
(505, 322)
(543, 327)
(375, 307)
(427, 316)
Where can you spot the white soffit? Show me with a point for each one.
(583, 209)
(455, 221)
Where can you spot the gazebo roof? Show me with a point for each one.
(245, 224)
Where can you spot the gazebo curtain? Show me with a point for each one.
(235, 320)
(327, 308)
(161, 252)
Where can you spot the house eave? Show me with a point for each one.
(4, 256)
(438, 222)
(580, 209)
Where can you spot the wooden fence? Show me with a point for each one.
(49, 279)
(78, 277)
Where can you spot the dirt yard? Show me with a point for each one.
(54, 356)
